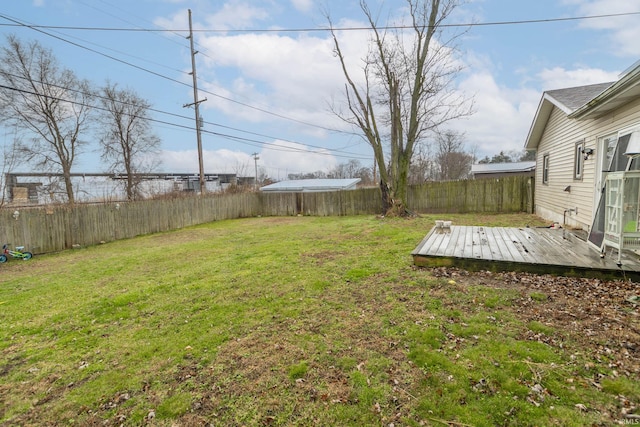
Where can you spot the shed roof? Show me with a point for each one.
(306, 185)
(510, 167)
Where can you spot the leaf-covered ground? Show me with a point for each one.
(601, 317)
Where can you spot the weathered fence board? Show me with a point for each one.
(46, 229)
(512, 194)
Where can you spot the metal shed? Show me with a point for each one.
(498, 170)
(312, 185)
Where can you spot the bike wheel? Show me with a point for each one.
(3, 258)
(27, 256)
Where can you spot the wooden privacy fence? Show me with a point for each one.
(511, 194)
(44, 229)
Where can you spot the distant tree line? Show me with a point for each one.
(509, 157)
(442, 159)
(54, 114)
(350, 169)
(446, 159)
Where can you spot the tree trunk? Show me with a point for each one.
(130, 179)
(406, 95)
(68, 185)
(387, 198)
(393, 204)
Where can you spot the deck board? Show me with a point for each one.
(451, 247)
(515, 253)
(539, 250)
(494, 248)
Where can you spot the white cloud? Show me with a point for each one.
(558, 78)
(278, 158)
(297, 77)
(283, 63)
(282, 158)
(622, 32)
(502, 115)
(293, 76)
(236, 14)
(302, 5)
(214, 161)
(179, 20)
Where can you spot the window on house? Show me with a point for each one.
(608, 144)
(578, 160)
(545, 169)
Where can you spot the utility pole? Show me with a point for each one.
(196, 104)
(255, 160)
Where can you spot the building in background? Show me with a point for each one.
(500, 170)
(45, 188)
(311, 185)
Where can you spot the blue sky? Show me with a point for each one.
(270, 92)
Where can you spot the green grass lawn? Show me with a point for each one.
(283, 321)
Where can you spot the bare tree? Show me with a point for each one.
(48, 103)
(242, 171)
(453, 162)
(8, 158)
(422, 168)
(263, 176)
(502, 157)
(307, 175)
(351, 169)
(128, 142)
(406, 92)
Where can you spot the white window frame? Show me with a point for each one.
(545, 169)
(578, 160)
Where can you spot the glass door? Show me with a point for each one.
(613, 160)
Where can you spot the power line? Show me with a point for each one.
(39, 28)
(247, 141)
(98, 96)
(322, 29)
(262, 110)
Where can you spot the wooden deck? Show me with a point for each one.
(534, 250)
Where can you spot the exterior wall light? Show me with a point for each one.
(587, 152)
(15, 215)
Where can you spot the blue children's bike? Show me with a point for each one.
(19, 253)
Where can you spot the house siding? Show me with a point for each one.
(558, 140)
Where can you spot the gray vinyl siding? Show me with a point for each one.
(558, 141)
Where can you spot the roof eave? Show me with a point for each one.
(628, 81)
(540, 121)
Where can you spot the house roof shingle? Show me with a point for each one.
(570, 99)
(582, 102)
